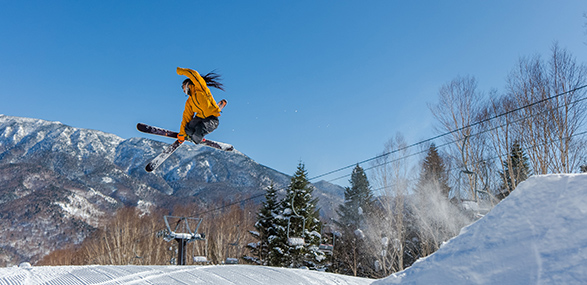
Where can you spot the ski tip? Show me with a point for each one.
(149, 168)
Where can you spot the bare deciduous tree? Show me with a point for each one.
(459, 107)
(550, 110)
(130, 237)
(392, 176)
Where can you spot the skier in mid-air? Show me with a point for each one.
(199, 103)
(200, 116)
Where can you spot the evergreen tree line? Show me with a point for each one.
(373, 236)
(289, 229)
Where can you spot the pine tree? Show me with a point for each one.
(358, 198)
(300, 222)
(516, 169)
(434, 175)
(358, 202)
(431, 205)
(266, 227)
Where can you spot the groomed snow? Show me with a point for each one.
(538, 235)
(132, 274)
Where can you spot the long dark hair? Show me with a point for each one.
(212, 79)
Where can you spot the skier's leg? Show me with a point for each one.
(209, 125)
(192, 130)
(206, 126)
(197, 128)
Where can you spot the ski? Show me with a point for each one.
(171, 134)
(153, 164)
(156, 131)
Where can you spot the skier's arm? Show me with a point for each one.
(194, 76)
(188, 114)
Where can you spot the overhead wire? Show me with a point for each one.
(485, 159)
(457, 140)
(449, 133)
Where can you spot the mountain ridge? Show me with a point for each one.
(58, 182)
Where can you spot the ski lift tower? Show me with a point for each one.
(183, 234)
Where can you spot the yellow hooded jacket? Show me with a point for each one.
(200, 102)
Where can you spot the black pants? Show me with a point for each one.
(197, 128)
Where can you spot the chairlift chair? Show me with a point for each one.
(324, 245)
(232, 260)
(201, 259)
(326, 248)
(296, 241)
(292, 240)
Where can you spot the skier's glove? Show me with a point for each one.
(180, 138)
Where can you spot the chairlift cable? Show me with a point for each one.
(450, 132)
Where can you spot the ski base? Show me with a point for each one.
(217, 145)
(171, 134)
(153, 164)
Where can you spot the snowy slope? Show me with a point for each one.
(228, 274)
(538, 235)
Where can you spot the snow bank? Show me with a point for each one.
(538, 235)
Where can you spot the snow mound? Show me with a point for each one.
(228, 274)
(538, 235)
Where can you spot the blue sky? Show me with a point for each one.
(322, 82)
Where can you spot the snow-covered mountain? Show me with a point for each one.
(57, 182)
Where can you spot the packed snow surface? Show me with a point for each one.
(223, 274)
(538, 235)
